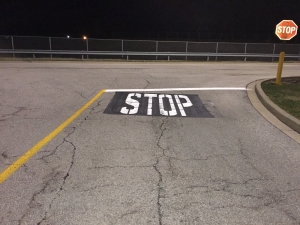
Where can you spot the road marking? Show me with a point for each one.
(132, 102)
(31, 152)
(180, 89)
(145, 104)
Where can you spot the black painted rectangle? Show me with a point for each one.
(131, 103)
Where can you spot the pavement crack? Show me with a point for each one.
(159, 190)
(160, 137)
(44, 218)
(263, 198)
(61, 188)
(171, 166)
(128, 213)
(292, 190)
(71, 165)
(148, 83)
(4, 155)
(33, 203)
(66, 176)
(91, 112)
(114, 167)
(192, 188)
(53, 152)
(94, 108)
(77, 92)
(241, 148)
(100, 186)
(159, 173)
(9, 115)
(290, 215)
(32, 200)
(228, 182)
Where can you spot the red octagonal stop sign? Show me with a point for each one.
(286, 30)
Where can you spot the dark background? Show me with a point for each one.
(231, 20)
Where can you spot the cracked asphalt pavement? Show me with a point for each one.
(235, 168)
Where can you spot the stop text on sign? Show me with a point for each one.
(286, 29)
(152, 104)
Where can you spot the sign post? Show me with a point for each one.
(285, 30)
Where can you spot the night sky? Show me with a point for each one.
(99, 18)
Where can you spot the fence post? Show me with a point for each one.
(245, 59)
(50, 46)
(299, 53)
(217, 47)
(156, 48)
(122, 47)
(12, 45)
(87, 47)
(273, 53)
(186, 49)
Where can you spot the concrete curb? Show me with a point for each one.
(275, 115)
(283, 116)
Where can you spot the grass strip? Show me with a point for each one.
(286, 96)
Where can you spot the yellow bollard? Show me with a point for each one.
(279, 70)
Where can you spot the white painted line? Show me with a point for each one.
(180, 89)
(182, 112)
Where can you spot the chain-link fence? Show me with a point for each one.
(76, 44)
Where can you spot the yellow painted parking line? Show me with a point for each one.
(31, 152)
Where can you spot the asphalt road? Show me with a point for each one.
(231, 168)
